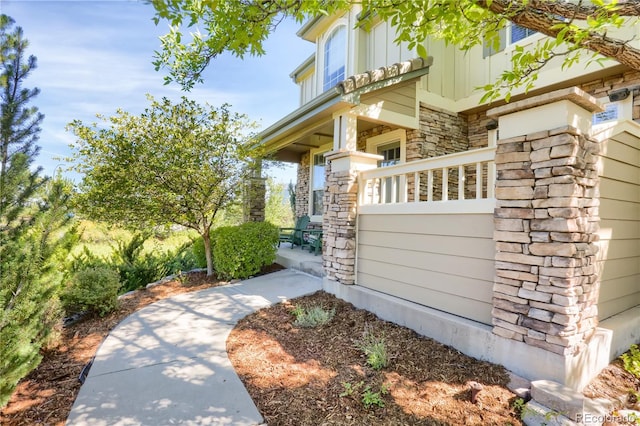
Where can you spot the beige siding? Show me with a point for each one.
(401, 100)
(308, 89)
(619, 257)
(441, 261)
(382, 51)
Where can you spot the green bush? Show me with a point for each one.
(631, 360)
(241, 251)
(198, 253)
(182, 259)
(85, 260)
(93, 290)
(141, 272)
(136, 269)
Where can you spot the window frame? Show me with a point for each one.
(398, 135)
(507, 45)
(321, 150)
(340, 25)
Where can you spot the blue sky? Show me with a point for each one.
(95, 57)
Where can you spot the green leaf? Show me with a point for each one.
(422, 51)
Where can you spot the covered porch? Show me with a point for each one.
(497, 245)
(368, 112)
(299, 259)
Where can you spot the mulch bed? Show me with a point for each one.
(46, 395)
(296, 375)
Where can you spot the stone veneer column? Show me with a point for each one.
(546, 219)
(255, 191)
(340, 210)
(302, 186)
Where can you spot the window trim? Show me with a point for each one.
(507, 46)
(312, 153)
(320, 67)
(386, 138)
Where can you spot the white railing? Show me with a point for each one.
(433, 184)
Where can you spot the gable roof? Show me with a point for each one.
(318, 112)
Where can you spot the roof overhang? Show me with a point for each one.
(311, 125)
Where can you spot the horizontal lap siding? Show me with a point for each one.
(619, 257)
(441, 261)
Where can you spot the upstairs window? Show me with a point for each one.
(519, 33)
(334, 58)
(515, 33)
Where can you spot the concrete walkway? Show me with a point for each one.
(167, 363)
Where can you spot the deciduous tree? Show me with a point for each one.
(575, 28)
(177, 164)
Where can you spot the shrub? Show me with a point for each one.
(93, 290)
(85, 260)
(197, 250)
(141, 272)
(137, 270)
(375, 349)
(313, 316)
(631, 360)
(241, 251)
(182, 259)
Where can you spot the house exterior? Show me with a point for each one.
(509, 231)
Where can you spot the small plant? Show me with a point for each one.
(370, 398)
(375, 349)
(349, 388)
(519, 405)
(631, 360)
(93, 289)
(312, 317)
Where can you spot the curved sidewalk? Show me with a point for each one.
(167, 363)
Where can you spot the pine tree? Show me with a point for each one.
(32, 210)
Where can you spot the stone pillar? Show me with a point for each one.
(546, 222)
(340, 210)
(254, 197)
(302, 186)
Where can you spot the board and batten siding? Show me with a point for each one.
(619, 256)
(442, 261)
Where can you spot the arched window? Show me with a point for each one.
(334, 58)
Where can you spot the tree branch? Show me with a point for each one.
(536, 19)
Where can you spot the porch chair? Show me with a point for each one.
(294, 235)
(314, 241)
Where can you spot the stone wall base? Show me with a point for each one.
(477, 340)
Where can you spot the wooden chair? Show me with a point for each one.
(314, 241)
(294, 235)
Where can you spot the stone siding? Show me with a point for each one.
(602, 86)
(441, 133)
(546, 223)
(302, 186)
(366, 134)
(478, 135)
(339, 225)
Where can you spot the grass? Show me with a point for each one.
(100, 238)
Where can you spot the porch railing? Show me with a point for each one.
(460, 182)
